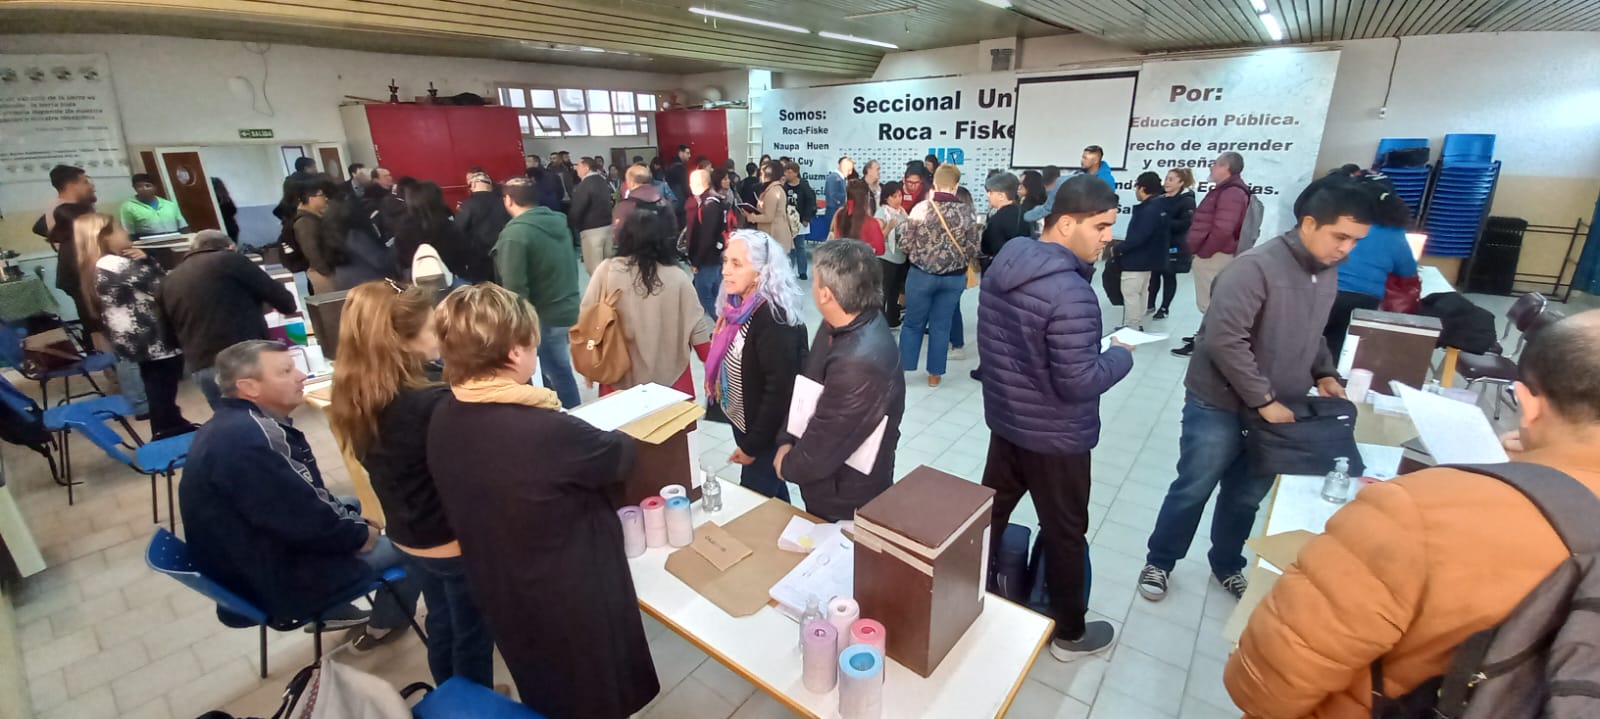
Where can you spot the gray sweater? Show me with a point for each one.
(1262, 337)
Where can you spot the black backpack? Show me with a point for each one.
(294, 258)
(1542, 661)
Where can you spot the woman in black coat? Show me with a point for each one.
(756, 352)
(1144, 251)
(525, 486)
(1180, 212)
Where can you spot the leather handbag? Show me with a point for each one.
(972, 264)
(1402, 294)
(1324, 428)
(599, 349)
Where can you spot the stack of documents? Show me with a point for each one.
(827, 572)
(803, 404)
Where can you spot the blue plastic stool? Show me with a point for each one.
(459, 698)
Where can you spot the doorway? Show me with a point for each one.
(330, 158)
(186, 181)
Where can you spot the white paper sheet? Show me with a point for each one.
(828, 571)
(1347, 355)
(1129, 336)
(1382, 462)
(1452, 432)
(628, 405)
(1299, 504)
(803, 404)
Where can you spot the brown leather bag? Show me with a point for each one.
(599, 349)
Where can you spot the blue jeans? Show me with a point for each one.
(1210, 452)
(131, 385)
(390, 610)
(761, 476)
(958, 337)
(459, 644)
(707, 283)
(555, 359)
(798, 254)
(931, 300)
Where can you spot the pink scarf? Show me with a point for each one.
(729, 321)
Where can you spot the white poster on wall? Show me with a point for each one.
(55, 110)
(1268, 106)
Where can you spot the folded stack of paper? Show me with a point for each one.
(803, 536)
(827, 572)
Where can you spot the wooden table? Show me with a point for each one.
(979, 678)
(319, 394)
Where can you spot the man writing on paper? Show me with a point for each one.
(1039, 344)
(857, 362)
(1413, 566)
(1260, 341)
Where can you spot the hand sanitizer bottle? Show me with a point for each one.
(711, 494)
(813, 611)
(1336, 487)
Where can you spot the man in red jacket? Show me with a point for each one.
(1214, 233)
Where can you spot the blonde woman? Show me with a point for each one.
(386, 392)
(119, 286)
(526, 487)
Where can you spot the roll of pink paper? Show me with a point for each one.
(870, 632)
(632, 519)
(680, 523)
(842, 612)
(655, 521)
(819, 669)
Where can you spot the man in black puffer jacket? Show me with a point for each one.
(1043, 374)
(857, 362)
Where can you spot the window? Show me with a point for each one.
(575, 112)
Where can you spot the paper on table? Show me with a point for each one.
(1452, 433)
(1382, 462)
(1129, 336)
(1347, 355)
(1299, 504)
(623, 407)
(803, 404)
(828, 571)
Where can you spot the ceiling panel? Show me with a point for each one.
(1165, 25)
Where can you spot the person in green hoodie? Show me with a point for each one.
(534, 258)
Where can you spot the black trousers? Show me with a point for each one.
(894, 283)
(1164, 280)
(161, 378)
(1111, 279)
(1060, 488)
(1339, 318)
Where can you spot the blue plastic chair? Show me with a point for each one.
(162, 457)
(459, 698)
(1390, 144)
(1469, 148)
(170, 556)
(57, 422)
(11, 336)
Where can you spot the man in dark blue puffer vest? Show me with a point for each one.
(1043, 374)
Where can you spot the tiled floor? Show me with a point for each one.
(103, 636)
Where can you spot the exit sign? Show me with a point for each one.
(256, 134)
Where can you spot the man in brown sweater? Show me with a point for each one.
(1412, 567)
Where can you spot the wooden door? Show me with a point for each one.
(191, 190)
(331, 162)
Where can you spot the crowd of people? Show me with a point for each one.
(437, 397)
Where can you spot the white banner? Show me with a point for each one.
(55, 110)
(1268, 106)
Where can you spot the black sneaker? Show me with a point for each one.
(1184, 351)
(1161, 314)
(1188, 340)
(1235, 583)
(366, 639)
(344, 617)
(1097, 637)
(1153, 583)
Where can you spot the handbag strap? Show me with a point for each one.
(947, 231)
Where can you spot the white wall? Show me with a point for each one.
(253, 173)
(1038, 53)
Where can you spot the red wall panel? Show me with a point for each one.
(704, 131)
(440, 143)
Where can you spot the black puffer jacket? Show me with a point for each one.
(858, 366)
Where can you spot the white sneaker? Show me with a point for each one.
(958, 353)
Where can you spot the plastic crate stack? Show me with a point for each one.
(1462, 189)
(1411, 183)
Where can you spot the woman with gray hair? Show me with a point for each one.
(756, 351)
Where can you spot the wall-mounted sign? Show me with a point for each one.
(255, 134)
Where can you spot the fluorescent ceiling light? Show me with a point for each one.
(862, 40)
(749, 20)
(1274, 30)
(1259, 5)
(1002, 4)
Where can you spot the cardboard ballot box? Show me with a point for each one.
(922, 550)
(1392, 345)
(661, 420)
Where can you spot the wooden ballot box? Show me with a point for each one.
(1392, 346)
(325, 310)
(921, 556)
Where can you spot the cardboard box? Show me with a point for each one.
(741, 590)
(663, 456)
(922, 550)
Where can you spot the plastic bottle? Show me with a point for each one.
(711, 494)
(1336, 487)
(813, 611)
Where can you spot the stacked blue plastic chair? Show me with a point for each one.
(1462, 190)
(1411, 183)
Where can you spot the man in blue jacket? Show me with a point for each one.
(1093, 162)
(257, 517)
(1044, 372)
(833, 188)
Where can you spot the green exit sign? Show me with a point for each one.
(255, 134)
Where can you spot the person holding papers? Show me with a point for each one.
(1412, 567)
(1260, 341)
(756, 351)
(862, 393)
(1044, 372)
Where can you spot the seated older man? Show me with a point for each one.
(257, 516)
